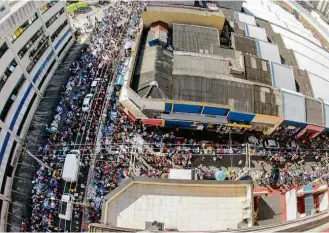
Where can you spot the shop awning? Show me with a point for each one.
(313, 131)
(239, 125)
(240, 117)
(156, 122)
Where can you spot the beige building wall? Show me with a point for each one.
(172, 15)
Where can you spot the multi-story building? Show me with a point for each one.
(34, 37)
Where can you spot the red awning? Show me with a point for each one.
(158, 122)
(313, 129)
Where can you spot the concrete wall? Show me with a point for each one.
(270, 210)
(183, 208)
(175, 15)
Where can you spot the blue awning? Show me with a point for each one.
(240, 117)
(294, 123)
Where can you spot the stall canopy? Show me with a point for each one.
(248, 19)
(311, 130)
(268, 123)
(283, 76)
(255, 32)
(268, 51)
(293, 106)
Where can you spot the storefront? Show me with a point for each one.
(305, 201)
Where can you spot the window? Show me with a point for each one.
(12, 98)
(7, 73)
(58, 30)
(19, 31)
(46, 7)
(28, 45)
(36, 55)
(53, 18)
(3, 49)
(11, 67)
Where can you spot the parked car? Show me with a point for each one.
(87, 103)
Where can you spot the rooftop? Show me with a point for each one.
(184, 205)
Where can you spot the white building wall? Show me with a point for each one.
(21, 12)
(27, 34)
(9, 86)
(52, 11)
(5, 60)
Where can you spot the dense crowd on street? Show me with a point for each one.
(129, 148)
(72, 128)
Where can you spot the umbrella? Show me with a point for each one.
(220, 175)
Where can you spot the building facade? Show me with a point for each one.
(34, 37)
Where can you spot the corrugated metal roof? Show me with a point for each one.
(238, 95)
(268, 51)
(183, 3)
(293, 106)
(194, 64)
(234, 5)
(257, 70)
(153, 75)
(248, 19)
(256, 32)
(303, 82)
(244, 44)
(193, 38)
(266, 101)
(314, 113)
(283, 76)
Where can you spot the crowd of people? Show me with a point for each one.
(73, 128)
(130, 148)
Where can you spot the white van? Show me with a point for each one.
(87, 102)
(66, 207)
(71, 166)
